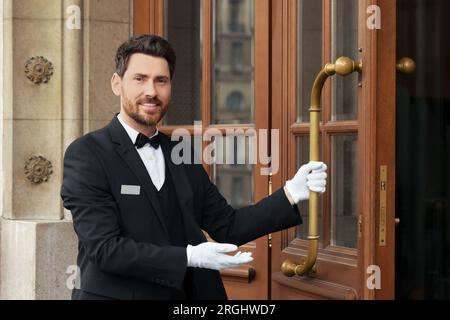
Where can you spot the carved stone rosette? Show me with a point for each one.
(38, 70)
(38, 169)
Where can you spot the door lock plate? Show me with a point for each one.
(383, 194)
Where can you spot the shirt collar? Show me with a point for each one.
(132, 133)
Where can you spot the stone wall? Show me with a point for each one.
(39, 120)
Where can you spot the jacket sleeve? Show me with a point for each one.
(238, 226)
(86, 193)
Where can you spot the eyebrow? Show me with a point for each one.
(140, 75)
(146, 76)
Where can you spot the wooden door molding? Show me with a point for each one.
(385, 97)
(378, 53)
(310, 288)
(367, 148)
(148, 17)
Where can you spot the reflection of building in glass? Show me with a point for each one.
(233, 91)
(233, 62)
(235, 184)
(234, 177)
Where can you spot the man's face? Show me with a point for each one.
(145, 89)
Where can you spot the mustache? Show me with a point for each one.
(149, 100)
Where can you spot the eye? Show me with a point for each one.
(138, 78)
(162, 81)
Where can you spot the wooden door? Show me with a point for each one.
(221, 84)
(357, 141)
(290, 42)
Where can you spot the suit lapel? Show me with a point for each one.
(126, 150)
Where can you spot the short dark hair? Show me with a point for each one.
(147, 44)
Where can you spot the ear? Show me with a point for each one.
(116, 83)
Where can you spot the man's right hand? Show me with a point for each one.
(310, 177)
(211, 255)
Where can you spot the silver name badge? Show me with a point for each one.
(128, 189)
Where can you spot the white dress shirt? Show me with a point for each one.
(152, 159)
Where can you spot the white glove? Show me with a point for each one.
(211, 255)
(304, 181)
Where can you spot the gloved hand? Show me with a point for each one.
(211, 255)
(305, 180)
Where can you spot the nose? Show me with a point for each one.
(150, 89)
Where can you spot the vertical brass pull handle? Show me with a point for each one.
(343, 66)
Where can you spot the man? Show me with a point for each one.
(139, 217)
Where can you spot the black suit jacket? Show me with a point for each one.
(124, 248)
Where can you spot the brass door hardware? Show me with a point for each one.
(383, 196)
(406, 66)
(343, 66)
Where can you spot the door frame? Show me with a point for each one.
(385, 57)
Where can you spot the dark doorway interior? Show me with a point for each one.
(423, 152)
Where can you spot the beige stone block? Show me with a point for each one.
(112, 11)
(18, 254)
(32, 138)
(105, 38)
(36, 38)
(35, 259)
(7, 69)
(56, 253)
(7, 9)
(37, 9)
(7, 167)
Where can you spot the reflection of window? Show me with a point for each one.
(236, 56)
(235, 101)
(237, 190)
(234, 15)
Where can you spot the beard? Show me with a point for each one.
(132, 109)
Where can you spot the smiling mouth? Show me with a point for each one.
(150, 107)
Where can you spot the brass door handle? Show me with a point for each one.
(247, 274)
(406, 65)
(343, 66)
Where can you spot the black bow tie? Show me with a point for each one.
(142, 140)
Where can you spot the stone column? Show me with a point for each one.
(72, 86)
(72, 72)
